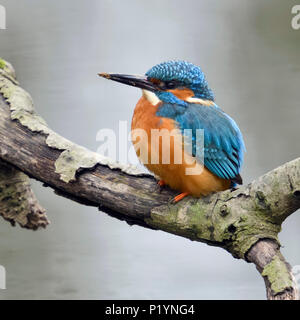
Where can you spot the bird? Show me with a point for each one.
(176, 98)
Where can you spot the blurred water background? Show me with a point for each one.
(250, 54)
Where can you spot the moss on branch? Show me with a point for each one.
(219, 220)
(278, 267)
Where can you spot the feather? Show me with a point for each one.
(223, 141)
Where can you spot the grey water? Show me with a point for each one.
(250, 54)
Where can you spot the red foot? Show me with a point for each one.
(180, 197)
(161, 183)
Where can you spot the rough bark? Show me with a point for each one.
(265, 254)
(18, 203)
(236, 220)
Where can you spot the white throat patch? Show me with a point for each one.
(200, 101)
(151, 97)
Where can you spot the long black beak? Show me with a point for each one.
(135, 81)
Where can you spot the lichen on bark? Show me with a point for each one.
(72, 157)
(272, 270)
(217, 219)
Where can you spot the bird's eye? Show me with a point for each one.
(171, 84)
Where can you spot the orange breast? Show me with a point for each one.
(150, 146)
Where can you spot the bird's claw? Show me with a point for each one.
(179, 197)
(161, 185)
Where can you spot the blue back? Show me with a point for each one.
(223, 141)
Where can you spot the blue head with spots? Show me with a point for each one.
(180, 74)
(168, 76)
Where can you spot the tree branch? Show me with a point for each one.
(279, 280)
(17, 201)
(236, 220)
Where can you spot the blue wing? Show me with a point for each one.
(223, 141)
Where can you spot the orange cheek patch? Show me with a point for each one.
(155, 81)
(182, 94)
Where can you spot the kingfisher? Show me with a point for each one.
(176, 98)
